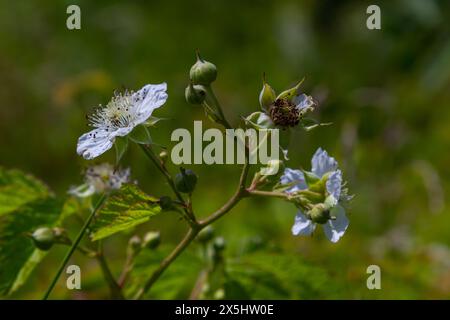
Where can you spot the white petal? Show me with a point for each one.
(335, 229)
(303, 101)
(294, 178)
(302, 225)
(322, 163)
(83, 191)
(334, 184)
(94, 143)
(149, 98)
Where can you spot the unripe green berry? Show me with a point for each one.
(134, 245)
(203, 72)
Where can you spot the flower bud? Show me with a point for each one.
(205, 234)
(195, 94)
(319, 213)
(267, 95)
(185, 181)
(151, 240)
(219, 244)
(134, 245)
(43, 238)
(203, 72)
(163, 155)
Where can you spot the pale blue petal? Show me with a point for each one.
(94, 143)
(322, 163)
(149, 98)
(294, 178)
(334, 184)
(303, 101)
(302, 225)
(335, 229)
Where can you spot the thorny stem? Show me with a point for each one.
(74, 246)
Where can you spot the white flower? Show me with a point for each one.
(101, 178)
(119, 117)
(321, 164)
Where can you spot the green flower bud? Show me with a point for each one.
(206, 234)
(219, 244)
(163, 155)
(134, 245)
(319, 213)
(267, 95)
(203, 72)
(151, 240)
(43, 238)
(195, 94)
(185, 181)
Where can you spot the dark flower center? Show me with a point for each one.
(284, 113)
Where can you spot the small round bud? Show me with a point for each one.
(219, 244)
(185, 181)
(206, 234)
(203, 72)
(43, 238)
(195, 94)
(151, 240)
(319, 213)
(274, 167)
(267, 95)
(134, 245)
(163, 155)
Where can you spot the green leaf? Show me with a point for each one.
(175, 283)
(17, 188)
(121, 145)
(125, 209)
(140, 135)
(18, 255)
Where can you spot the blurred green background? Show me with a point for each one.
(386, 92)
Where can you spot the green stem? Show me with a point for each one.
(74, 246)
(268, 194)
(240, 193)
(189, 214)
(216, 102)
(114, 288)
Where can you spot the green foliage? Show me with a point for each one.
(17, 188)
(126, 208)
(26, 205)
(176, 282)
